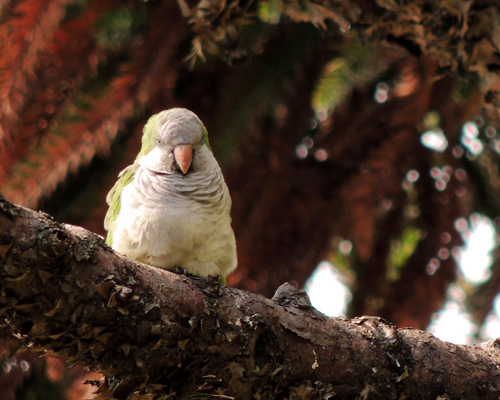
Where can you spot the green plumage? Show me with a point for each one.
(125, 177)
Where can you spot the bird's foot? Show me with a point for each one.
(178, 269)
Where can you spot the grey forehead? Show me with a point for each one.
(179, 125)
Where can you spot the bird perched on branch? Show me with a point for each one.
(171, 208)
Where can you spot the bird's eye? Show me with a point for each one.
(158, 141)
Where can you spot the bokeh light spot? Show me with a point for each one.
(381, 92)
(25, 366)
(432, 266)
(412, 175)
(460, 191)
(453, 315)
(461, 224)
(431, 120)
(446, 237)
(6, 367)
(496, 145)
(455, 251)
(457, 293)
(434, 140)
(321, 115)
(440, 185)
(308, 142)
(490, 132)
(321, 155)
(327, 290)
(460, 174)
(386, 204)
(458, 151)
(470, 132)
(474, 145)
(470, 129)
(301, 151)
(478, 120)
(435, 172)
(479, 236)
(443, 253)
(345, 247)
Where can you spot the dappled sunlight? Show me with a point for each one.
(327, 290)
(470, 140)
(453, 324)
(433, 136)
(435, 140)
(491, 328)
(441, 176)
(330, 295)
(475, 258)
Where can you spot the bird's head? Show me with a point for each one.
(174, 141)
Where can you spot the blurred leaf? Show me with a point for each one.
(401, 250)
(355, 65)
(119, 26)
(270, 11)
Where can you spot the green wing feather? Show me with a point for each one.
(149, 133)
(126, 177)
(113, 199)
(205, 137)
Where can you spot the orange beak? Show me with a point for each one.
(183, 155)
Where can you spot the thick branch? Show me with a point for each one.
(153, 331)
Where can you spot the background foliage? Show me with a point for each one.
(316, 111)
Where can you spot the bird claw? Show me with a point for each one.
(180, 270)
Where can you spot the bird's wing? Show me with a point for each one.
(205, 138)
(113, 199)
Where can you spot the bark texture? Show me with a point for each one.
(155, 334)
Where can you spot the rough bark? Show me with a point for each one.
(154, 333)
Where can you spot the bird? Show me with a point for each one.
(171, 208)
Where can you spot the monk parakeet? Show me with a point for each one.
(171, 208)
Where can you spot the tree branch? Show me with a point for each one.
(154, 333)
